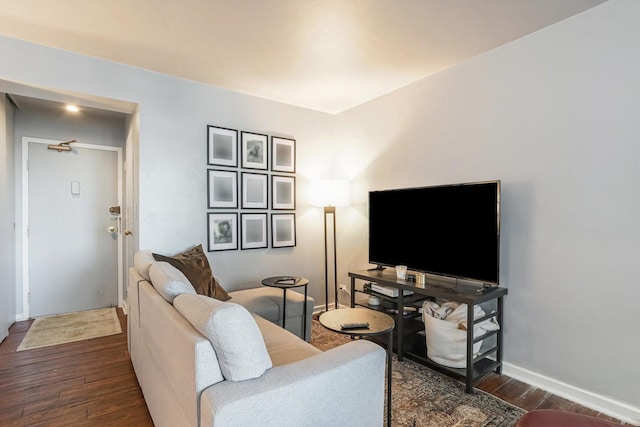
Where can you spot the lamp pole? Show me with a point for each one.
(329, 193)
(330, 210)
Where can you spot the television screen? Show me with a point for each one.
(449, 230)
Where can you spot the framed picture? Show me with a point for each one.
(284, 192)
(222, 146)
(222, 230)
(254, 230)
(254, 151)
(283, 154)
(222, 189)
(254, 191)
(283, 230)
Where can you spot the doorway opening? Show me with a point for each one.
(72, 227)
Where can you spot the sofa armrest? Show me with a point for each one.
(341, 386)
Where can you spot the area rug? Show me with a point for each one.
(64, 328)
(421, 397)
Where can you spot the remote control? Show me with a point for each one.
(355, 325)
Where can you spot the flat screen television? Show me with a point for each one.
(447, 230)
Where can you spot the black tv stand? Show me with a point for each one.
(409, 339)
(378, 267)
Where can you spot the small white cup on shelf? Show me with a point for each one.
(401, 271)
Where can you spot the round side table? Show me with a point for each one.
(288, 282)
(379, 324)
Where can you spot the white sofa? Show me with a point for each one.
(187, 349)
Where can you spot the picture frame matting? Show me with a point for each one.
(222, 189)
(222, 146)
(222, 231)
(283, 154)
(283, 230)
(283, 189)
(255, 150)
(254, 230)
(255, 190)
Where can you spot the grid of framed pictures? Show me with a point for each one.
(251, 190)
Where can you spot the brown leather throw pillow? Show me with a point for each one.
(194, 264)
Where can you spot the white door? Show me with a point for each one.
(73, 237)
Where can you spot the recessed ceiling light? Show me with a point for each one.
(72, 108)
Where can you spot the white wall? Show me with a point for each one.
(7, 219)
(171, 178)
(555, 117)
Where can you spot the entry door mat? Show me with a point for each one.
(65, 328)
(421, 397)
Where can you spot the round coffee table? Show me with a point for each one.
(379, 323)
(287, 282)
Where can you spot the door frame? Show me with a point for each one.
(25, 215)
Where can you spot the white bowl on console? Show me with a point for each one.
(373, 300)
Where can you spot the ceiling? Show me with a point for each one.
(325, 55)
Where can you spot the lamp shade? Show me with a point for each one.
(330, 192)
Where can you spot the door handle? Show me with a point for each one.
(111, 229)
(127, 232)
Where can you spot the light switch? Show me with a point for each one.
(75, 188)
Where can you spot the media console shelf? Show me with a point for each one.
(408, 325)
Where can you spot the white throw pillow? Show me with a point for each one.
(169, 281)
(142, 261)
(233, 332)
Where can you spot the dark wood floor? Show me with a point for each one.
(86, 383)
(527, 397)
(92, 383)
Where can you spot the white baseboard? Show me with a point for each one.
(608, 406)
(619, 410)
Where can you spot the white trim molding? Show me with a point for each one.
(597, 402)
(24, 315)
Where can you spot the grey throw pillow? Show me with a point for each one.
(142, 261)
(233, 332)
(169, 281)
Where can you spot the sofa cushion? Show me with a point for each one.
(263, 301)
(283, 346)
(194, 264)
(267, 302)
(169, 281)
(142, 260)
(233, 332)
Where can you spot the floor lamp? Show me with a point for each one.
(329, 193)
